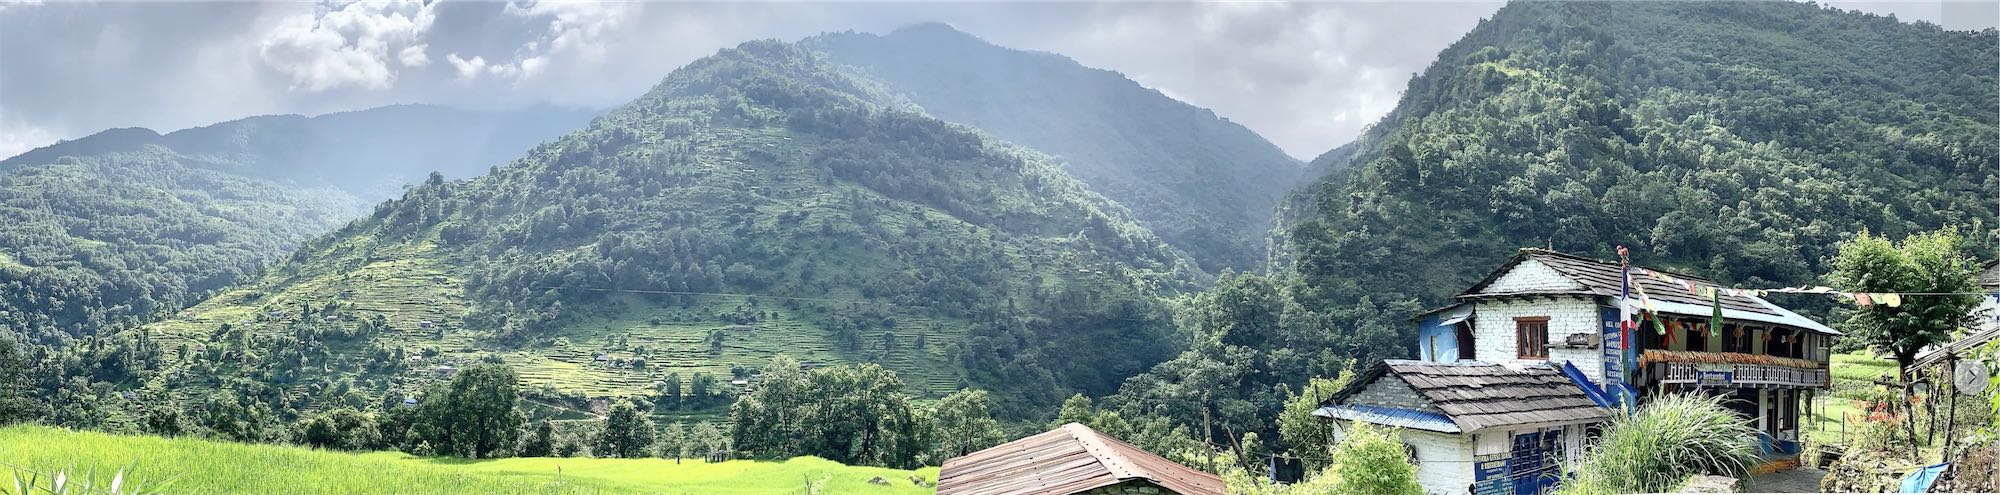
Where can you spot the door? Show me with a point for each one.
(1533, 465)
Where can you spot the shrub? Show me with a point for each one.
(1371, 461)
(1665, 442)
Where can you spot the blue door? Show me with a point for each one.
(1533, 465)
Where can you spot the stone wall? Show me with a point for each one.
(1391, 391)
(1493, 331)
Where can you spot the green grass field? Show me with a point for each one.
(1853, 376)
(209, 467)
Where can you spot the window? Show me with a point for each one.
(1466, 347)
(1531, 337)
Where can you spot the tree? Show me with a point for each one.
(1932, 263)
(539, 442)
(341, 428)
(1311, 438)
(674, 442)
(627, 433)
(707, 439)
(14, 404)
(1371, 461)
(701, 388)
(670, 389)
(963, 425)
(474, 415)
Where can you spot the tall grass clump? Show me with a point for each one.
(1662, 445)
(27, 482)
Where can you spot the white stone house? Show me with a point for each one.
(1473, 427)
(1544, 308)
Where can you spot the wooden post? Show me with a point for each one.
(1207, 434)
(1951, 422)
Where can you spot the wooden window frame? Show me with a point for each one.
(1525, 348)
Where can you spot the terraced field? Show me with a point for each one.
(624, 354)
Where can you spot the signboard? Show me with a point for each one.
(1706, 378)
(1614, 351)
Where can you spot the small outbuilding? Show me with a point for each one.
(1071, 460)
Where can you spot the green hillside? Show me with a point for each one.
(757, 201)
(1203, 183)
(1741, 140)
(1738, 140)
(126, 224)
(161, 465)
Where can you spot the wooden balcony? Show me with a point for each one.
(1741, 375)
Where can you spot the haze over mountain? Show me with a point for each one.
(1203, 183)
(124, 224)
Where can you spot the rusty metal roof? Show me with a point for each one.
(1064, 461)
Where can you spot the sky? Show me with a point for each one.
(1307, 76)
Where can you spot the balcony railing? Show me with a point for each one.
(1743, 375)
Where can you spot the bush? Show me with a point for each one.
(1665, 442)
(1371, 461)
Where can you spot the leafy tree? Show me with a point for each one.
(539, 442)
(854, 415)
(1931, 263)
(627, 432)
(342, 428)
(674, 442)
(474, 415)
(707, 439)
(1311, 438)
(14, 403)
(670, 389)
(963, 424)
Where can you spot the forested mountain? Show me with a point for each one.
(125, 224)
(1203, 183)
(1739, 140)
(1742, 140)
(757, 201)
(372, 153)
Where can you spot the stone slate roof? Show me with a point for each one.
(1067, 460)
(1478, 395)
(1602, 278)
(1989, 275)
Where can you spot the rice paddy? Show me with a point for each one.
(181, 465)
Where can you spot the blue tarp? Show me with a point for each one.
(1920, 481)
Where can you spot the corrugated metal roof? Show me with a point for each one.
(1064, 461)
(1602, 278)
(1957, 347)
(1477, 395)
(1389, 416)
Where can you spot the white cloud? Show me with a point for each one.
(574, 30)
(18, 140)
(414, 56)
(467, 69)
(347, 45)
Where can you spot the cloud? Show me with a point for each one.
(468, 70)
(349, 45)
(567, 31)
(17, 140)
(414, 56)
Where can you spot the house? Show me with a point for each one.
(1471, 426)
(1072, 459)
(1985, 330)
(1564, 312)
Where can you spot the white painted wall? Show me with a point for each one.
(1444, 460)
(1493, 331)
(1531, 276)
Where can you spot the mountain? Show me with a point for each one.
(1740, 140)
(1203, 183)
(126, 224)
(372, 153)
(757, 201)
